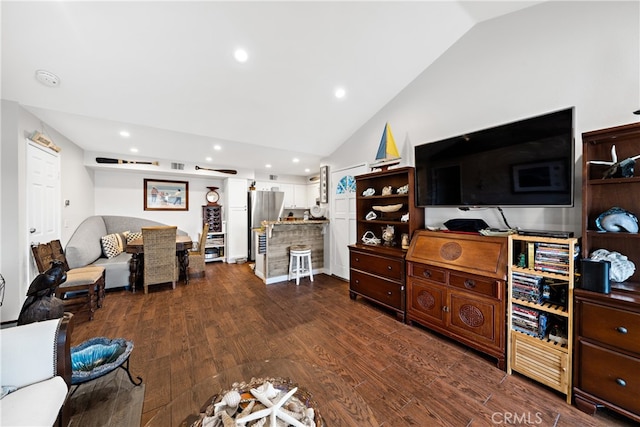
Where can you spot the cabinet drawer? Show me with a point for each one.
(374, 264)
(615, 327)
(428, 272)
(425, 301)
(612, 376)
(480, 285)
(379, 289)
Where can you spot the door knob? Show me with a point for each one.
(32, 230)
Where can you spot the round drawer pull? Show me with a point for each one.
(622, 329)
(357, 259)
(469, 284)
(389, 293)
(445, 309)
(388, 267)
(357, 282)
(426, 273)
(621, 382)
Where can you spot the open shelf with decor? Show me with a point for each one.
(607, 345)
(386, 217)
(215, 243)
(541, 277)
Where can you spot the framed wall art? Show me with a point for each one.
(164, 195)
(324, 184)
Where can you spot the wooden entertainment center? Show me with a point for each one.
(456, 286)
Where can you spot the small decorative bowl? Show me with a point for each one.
(388, 208)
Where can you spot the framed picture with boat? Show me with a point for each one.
(165, 195)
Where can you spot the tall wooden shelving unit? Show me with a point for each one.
(533, 352)
(377, 272)
(607, 344)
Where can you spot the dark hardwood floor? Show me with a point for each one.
(407, 375)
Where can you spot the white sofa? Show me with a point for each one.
(36, 362)
(84, 247)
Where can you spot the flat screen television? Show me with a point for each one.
(525, 163)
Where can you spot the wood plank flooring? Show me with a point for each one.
(408, 375)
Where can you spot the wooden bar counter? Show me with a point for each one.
(274, 240)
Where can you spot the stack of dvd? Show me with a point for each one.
(527, 287)
(528, 320)
(552, 257)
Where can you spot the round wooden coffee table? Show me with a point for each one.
(337, 402)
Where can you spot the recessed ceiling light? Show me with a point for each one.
(133, 149)
(124, 134)
(241, 55)
(267, 165)
(340, 93)
(307, 170)
(217, 147)
(208, 159)
(296, 160)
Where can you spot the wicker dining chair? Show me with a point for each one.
(160, 261)
(84, 286)
(196, 256)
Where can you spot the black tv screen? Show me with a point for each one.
(525, 163)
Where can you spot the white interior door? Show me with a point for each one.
(43, 198)
(43, 194)
(343, 217)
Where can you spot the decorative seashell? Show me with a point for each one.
(405, 217)
(227, 421)
(387, 190)
(310, 413)
(369, 192)
(621, 267)
(403, 190)
(371, 215)
(294, 406)
(247, 410)
(210, 421)
(265, 393)
(260, 423)
(369, 238)
(617, 220)
(232, 399)
(293, 414)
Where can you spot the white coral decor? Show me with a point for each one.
(621, 267)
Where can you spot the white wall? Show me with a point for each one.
(537, 60)
(122, 193)
(17, 265)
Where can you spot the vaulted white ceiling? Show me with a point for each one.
(165, 72)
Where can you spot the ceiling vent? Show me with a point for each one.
(273, 177)
(178, 166)
(47, 78)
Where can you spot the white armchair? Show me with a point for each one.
(35, 361)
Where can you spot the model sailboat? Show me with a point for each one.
(387, 151)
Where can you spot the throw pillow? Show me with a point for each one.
(113, 244)
(132, 236)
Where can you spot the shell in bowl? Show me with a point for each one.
(388, 208)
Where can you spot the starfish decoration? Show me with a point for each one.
(273, 410)
(615, 164)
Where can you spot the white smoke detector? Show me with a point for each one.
(47, 78)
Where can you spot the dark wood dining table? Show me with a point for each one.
(136, 249)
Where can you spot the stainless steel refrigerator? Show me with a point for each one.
(263, 206)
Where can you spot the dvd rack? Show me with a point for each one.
(541, 275)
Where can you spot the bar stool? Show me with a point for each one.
(299, 255)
